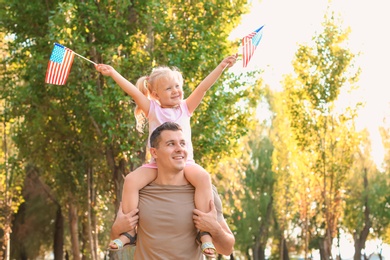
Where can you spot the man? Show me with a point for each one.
(167, 214)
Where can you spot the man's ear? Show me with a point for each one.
(153, 152)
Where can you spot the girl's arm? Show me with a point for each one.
(139, 98)
(197, 95)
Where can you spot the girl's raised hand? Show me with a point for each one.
(229, 61)
(106, 70)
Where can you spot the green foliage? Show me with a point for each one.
(217, 127)
(380, 190)
(88, 125)
(366, 211)
(26, 220)
(11, 169)
(253, 221)
(319, 137)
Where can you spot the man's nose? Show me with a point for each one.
(180, 147)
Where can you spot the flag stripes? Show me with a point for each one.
(59, 66)
(249, 44)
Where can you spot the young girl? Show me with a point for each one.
(159, 98)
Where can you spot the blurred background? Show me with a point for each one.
(297, 143)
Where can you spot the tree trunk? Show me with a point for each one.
(262, 238)
(325, 245)
(258, 252)
(74, 231)
(58, 246)
(119, 171)
(91, 238)
(117, 175)
(360, 239)
(285, 251)
(247, 253)
(7, 226)
(85, 241)
(380, 254)
(7, 198)
(58, 236)
(126, 253)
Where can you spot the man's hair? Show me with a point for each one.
(155, 137)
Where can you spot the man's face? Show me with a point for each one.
(171, 153)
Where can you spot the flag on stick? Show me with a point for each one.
(249, 44)
(59, 66)
(60, 63)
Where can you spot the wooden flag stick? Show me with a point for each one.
(84, 58)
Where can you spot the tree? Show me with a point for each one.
(253, 219)
(321, 137)
(286, 163)
(381, 188)
(11, 169)
(361, 196)
(81, 137)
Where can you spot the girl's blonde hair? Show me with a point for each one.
(148, 84)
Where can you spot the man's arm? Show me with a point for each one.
(223, 238)
(124, 222)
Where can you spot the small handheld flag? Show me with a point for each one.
(60, 63)
(249, 44)
(59, 66)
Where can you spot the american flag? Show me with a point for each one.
(59, 66)
(249, 44)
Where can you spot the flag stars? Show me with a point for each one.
(58, 54)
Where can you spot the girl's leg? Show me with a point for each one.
(134, 182)
(200, 179)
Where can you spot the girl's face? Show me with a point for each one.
(169, 91)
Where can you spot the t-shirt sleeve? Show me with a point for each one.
(152, 108)
(218, 204)
(185, 108)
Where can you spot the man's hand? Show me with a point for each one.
(206, 221)
(223, 238)
(124, 222)
(128, 221)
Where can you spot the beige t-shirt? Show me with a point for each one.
(165, 228)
